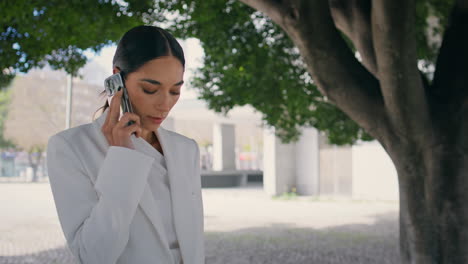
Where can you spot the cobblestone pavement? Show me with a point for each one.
(243, 225)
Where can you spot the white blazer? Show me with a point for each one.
(105, 206)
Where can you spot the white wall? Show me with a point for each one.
(336, 175)
(374, 175)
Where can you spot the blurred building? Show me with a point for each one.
(235, 142)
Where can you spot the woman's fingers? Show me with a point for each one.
(112, 117)
(121, 126)
(127, 117)
(114, 108)
(133, 128)
(116, 128)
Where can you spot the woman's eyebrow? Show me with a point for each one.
(158, 83)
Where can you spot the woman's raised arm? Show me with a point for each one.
(95, 218)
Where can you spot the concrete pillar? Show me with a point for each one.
(279, 173)
(307, 162)
(68, 115)
(224, 142)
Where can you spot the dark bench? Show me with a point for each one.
(229, 178)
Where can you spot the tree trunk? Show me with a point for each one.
(422, 125)
(433, 217)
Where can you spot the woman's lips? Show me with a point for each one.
(156, 120)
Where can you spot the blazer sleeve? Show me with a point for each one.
(198, 186)
(95, 218)
(199, 200)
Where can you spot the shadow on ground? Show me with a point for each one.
(281, 244)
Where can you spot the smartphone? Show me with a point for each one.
(112, 84)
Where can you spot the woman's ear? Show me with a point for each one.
(115, 70)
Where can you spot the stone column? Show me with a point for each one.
(279, 173)
(307, 162)
(224, 142)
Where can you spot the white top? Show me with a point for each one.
(159, 183)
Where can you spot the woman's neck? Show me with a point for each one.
(150, 137)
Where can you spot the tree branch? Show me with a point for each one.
(273, 8)
(340, 77)
(338, 74)
(394, 40)
(451, 75)
(352, 17)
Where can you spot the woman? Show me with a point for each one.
(124, 198)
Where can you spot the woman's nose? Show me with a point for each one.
(164, 102)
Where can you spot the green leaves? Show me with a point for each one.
(431, 19)
(57, 32)
(5, 98)
(250, 61)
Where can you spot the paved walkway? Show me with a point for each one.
(242, 226)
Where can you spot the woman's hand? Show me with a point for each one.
(116, 131)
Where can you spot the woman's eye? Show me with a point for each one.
(149, 92)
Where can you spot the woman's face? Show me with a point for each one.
(154, 89)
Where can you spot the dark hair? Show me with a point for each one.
(140, 45)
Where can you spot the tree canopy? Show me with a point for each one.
(58, 32)
(248, 59)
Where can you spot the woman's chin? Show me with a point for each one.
(151, 127)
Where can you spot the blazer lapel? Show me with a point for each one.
(149, 207)
(179, 170)
(147, 202)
